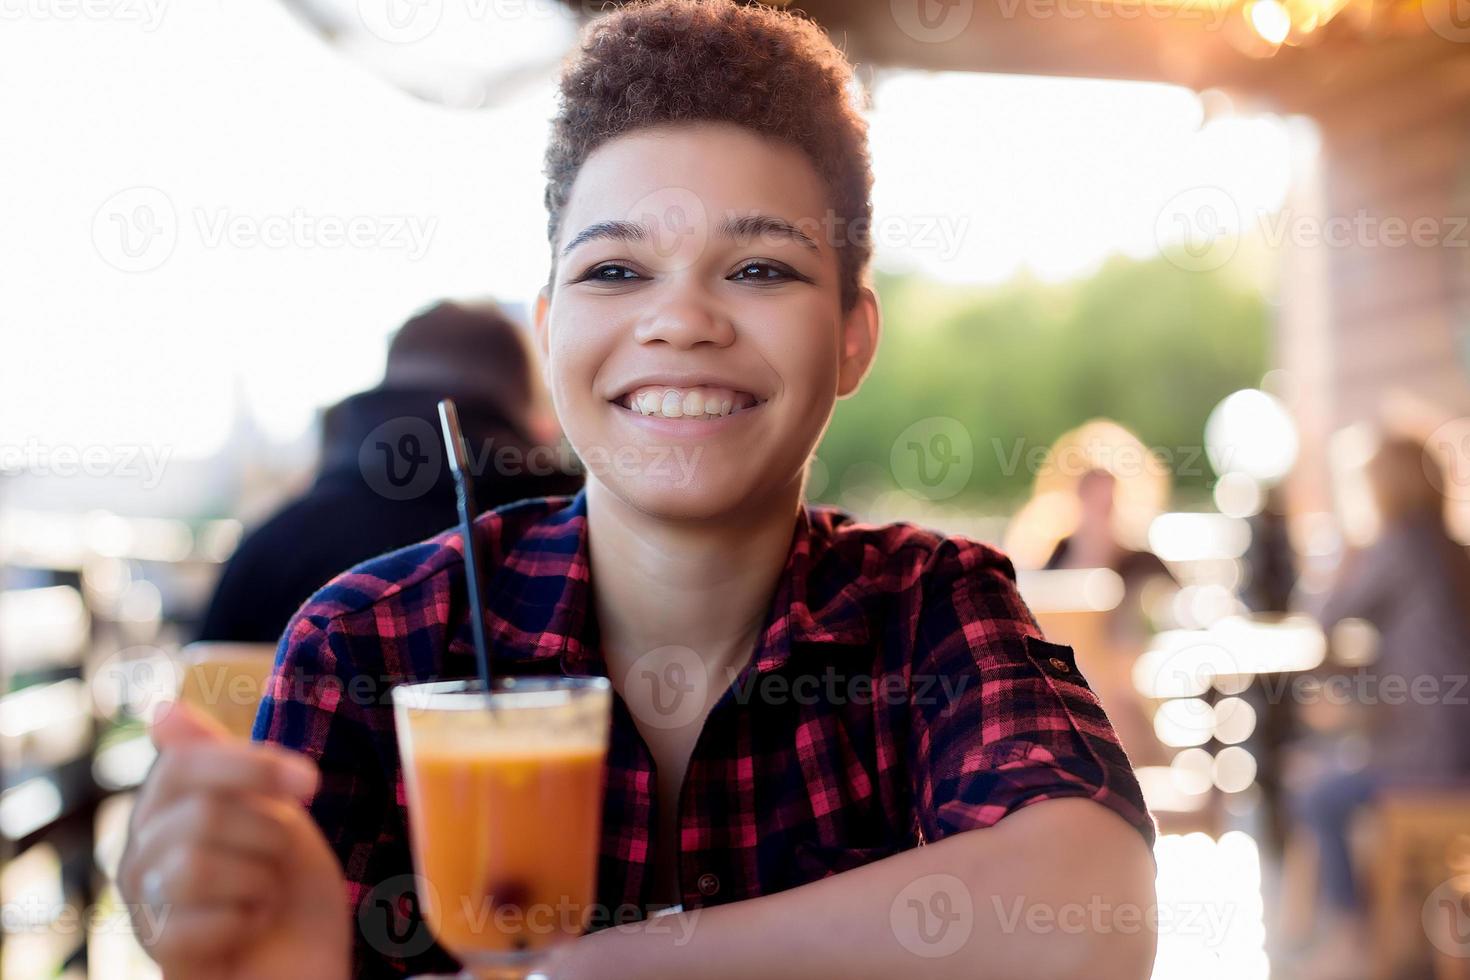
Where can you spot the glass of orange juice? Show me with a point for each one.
(505, 808)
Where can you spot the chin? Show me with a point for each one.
(702, 497)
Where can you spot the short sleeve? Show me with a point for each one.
(320, 702)
(1002, 718)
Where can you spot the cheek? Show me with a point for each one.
(805, 357)
(574, 359)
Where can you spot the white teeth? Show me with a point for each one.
(694, 403)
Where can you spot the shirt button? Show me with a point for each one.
(708, 884)
(1058, 664)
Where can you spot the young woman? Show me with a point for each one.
(925, 752)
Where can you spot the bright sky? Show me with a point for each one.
(213, 209)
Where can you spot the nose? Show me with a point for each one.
(686, 320)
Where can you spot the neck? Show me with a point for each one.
(704, 585)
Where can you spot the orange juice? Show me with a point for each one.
(506, 839)
(504, 811)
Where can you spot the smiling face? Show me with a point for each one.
(693, 335)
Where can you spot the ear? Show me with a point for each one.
(860, 329)
(539, 330)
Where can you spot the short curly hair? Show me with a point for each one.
(657, 62)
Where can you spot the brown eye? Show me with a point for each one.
(762, 272)
(610, 272)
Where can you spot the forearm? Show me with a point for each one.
(1038, 897)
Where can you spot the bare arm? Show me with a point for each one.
(1059, 889)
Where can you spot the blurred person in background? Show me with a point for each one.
(381, 482)
(1413, 585)
(1094, 544)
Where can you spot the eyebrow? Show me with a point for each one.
(749, 226)
(761, 225)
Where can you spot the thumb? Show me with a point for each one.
(178, 723)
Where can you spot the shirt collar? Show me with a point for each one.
(539, 599)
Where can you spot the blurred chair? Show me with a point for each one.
(226, 680)
(1414, 833)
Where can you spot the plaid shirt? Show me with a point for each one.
(899, 692)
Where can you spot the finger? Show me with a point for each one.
(180, 937)
(178, 723)
(199, 876)
(252, 827)
(233, 767)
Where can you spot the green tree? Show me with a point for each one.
(1148, 344)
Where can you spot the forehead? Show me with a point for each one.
(702, 171)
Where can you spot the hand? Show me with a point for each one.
(225, 874)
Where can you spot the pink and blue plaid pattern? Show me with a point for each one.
(950, 711)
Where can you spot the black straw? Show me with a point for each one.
(464, 492)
